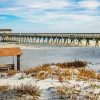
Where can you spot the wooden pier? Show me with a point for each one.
(66, 39)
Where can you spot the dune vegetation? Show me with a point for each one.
(57, 81)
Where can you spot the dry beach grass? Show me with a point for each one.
(61, 71)
(69, 80)
(28, 89)
(11, 72)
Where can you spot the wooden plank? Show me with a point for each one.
(6, 66)
(10, 51)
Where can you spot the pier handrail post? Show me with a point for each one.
(18, 63)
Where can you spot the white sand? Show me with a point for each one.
(46, 84)
(26, 46)
(22, 46)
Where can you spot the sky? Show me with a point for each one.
(50, 15)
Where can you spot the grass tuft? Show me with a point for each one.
(75, 64)
(86, 74)
(29, 89)
(3, 87)
(11, 72)
(98, 77)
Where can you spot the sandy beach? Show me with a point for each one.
(12, 45)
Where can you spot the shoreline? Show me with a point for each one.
(30, 46)
(22, 46)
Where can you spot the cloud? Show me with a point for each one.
(53, 12)
(24, 7)
(89, 4)
(9, 9)
(49, 5)
(56, 18)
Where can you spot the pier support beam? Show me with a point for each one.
(79, 41)
(97, 43)
(43, 40)
(87, 42)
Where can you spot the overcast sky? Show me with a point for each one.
(50, 15)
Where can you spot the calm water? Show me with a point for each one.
(34, 57)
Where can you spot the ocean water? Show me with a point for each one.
(51, 54)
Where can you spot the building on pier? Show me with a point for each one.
(5, 30)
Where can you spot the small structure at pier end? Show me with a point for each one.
(5, 30)
(10, 52)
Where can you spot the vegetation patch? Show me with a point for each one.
(61, 71)
(45, 67)
(75, 64)
(3, 87)
(11, 72)
(29, 89)
(86, 74)
(64, 92)
(98, 76)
